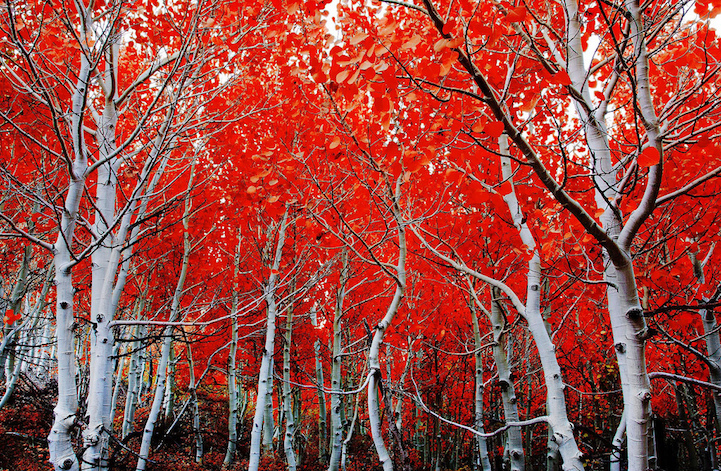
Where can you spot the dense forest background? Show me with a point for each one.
(360, 235)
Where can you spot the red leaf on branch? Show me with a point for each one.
(649, 157)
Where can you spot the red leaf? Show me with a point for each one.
(649, 157)
(561, 78)
(411, 43)
(358, 38)
(516, 15)
(494, 129)
(11, 316)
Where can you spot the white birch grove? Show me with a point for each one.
(630, 331)
(557, 413)
(96, 104)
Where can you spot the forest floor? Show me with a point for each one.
(26, 420)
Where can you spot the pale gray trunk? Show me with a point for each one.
(193, 388)
(349, 434)
(232, 365)
(269, 417)
(482, 461)
(165, 355)
(288, 411)
(14, 350)
(514, 439)
(380, 330)
(629, 326)
(96, 435)
(135, 371)
(713, 350)
(336, 399)
(322, 405)
(555, 398)
(269, 348)
(617, 444)
(169, 397)
(117, 385)
(62, 455)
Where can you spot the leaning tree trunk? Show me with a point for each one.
(380, 330)
(555, 399)
(162, 367)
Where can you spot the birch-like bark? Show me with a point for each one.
(380, 330)
(120, 366)
(162, 367)
(195, 408)
(169, 396)
(95, 436)
(14, 304)
(322, 404)
(62, 455)
(287, 392)
(482, 461)
(617, 444)
(628, 323)
(232, 365)
(269, 417)
(268, 350)
(514, 439)
(555, 398)
(713, 351)
(336, 399)
(135, 371)
(13, 351)
(351, 429)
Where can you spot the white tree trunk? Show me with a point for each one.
(380, 330)
(483, 461)
(514, 439)
(287, 396)
(555, 399)
(232, 365)
(162, 367)
(62, 455)
(322, 405)
(269, 417)
(135, 370)
(268, 350)
(336, 399)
